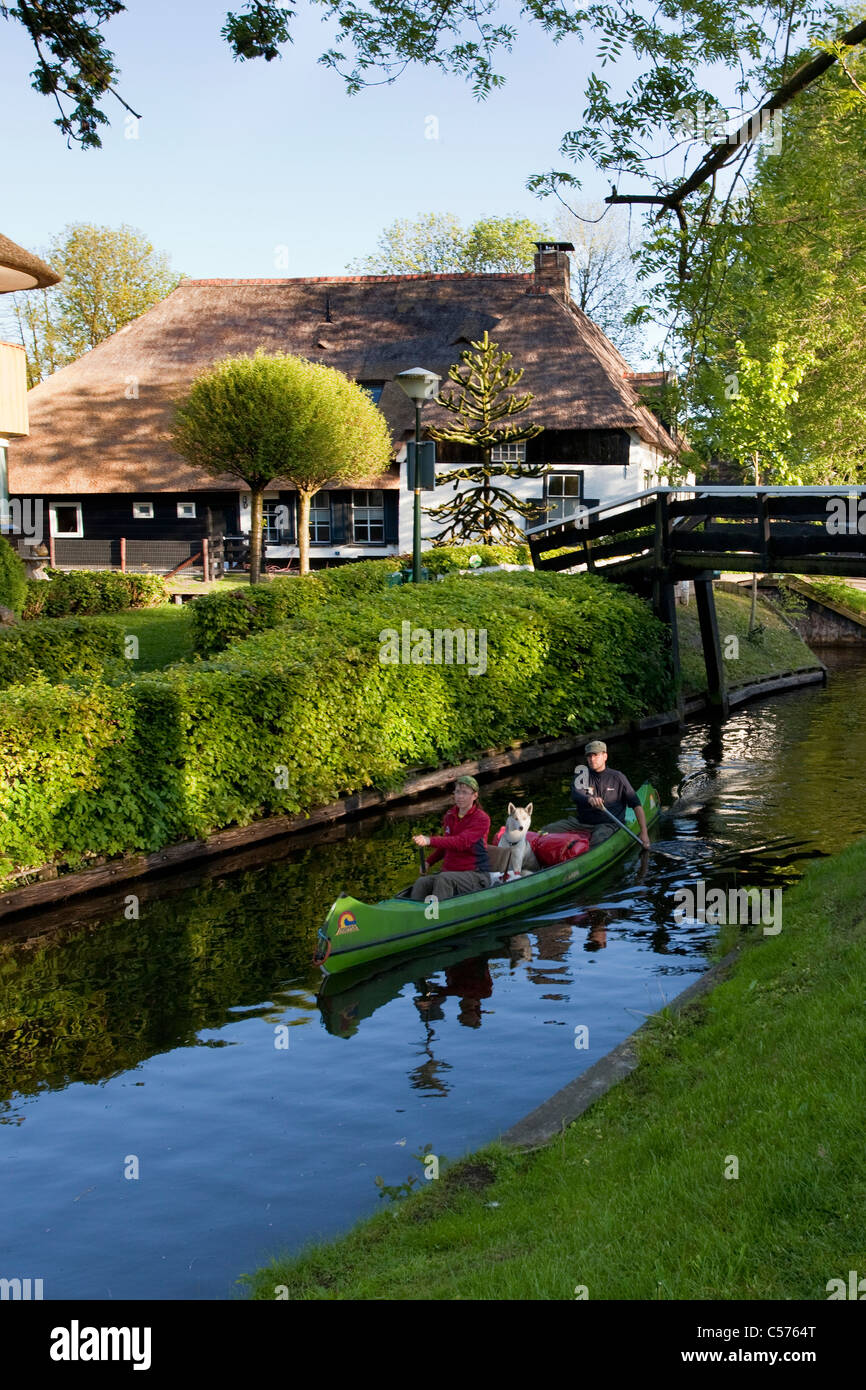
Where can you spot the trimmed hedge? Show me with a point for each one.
(220, 619)
(92, 591)
(13, 578)
(448, 559)
(60, 649)
(307, 712)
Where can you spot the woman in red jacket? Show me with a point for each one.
(462, 848)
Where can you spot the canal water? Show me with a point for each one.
(178, 1100)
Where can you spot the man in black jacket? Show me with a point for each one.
(606, 789)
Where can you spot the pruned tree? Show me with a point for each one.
(264, 418)
(484, 511)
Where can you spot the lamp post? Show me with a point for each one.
(420, 386)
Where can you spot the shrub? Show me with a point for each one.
(448, 559)
(61, 649)
(308, 711)
(92, 591)
(13, 580)
(222, 618)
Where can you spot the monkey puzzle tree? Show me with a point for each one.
(269, 417)
(484, 511)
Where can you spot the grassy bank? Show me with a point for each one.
(633, 1201)
(837, 591)
(775, 649)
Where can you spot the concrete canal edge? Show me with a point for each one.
(50, 888)
(550, 1118)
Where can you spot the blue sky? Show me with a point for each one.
(234, 160)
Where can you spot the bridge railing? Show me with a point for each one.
(699, 526)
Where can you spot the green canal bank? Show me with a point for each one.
(542, 705)
(727, 1165)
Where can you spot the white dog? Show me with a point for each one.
(519, 859)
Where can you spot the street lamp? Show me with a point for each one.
(420, 386)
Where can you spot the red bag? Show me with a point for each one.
(554, 849)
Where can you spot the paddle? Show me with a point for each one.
(581, 777)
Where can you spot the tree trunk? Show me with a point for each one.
(256, 497)
(304, 499)
(487, 526)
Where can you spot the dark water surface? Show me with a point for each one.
(155, 1043)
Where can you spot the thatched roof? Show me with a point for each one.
(91, 433)
(21, 270)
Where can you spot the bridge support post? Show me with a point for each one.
(665, 606)
(717, 689)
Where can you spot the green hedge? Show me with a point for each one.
(92, 591)
(307, 712)
(13, 580)
(220, 619)
(448, 559)
(60, 649)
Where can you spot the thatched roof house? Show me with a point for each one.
(99, 428)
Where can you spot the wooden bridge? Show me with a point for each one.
(655, 539)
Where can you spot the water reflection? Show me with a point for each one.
(158, 1035)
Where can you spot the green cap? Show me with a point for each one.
(596, 746)
(467, 781)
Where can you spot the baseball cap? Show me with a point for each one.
(596, 746)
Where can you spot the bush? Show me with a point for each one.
(60, 649)
(222, 618)
(310, 711)
(448, 559)
(92, 591)
(13, 580)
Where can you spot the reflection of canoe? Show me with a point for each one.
(354, 994)
(356, 933)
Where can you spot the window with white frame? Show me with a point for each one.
(275, 521)
(186, 511)
(66, 521)
(320, 518)
(142, 511)
(368, 509)
(564, 494)
(509, 453)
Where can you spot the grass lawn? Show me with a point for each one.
(164, 634)
(180, 585)
(837, 591)
(778, 648)
(633, 1202)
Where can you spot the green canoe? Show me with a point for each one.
(355, 933)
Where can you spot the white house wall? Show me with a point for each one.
(603, 482)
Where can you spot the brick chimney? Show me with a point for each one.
(552, 267)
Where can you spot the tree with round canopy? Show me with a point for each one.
(274, 417)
